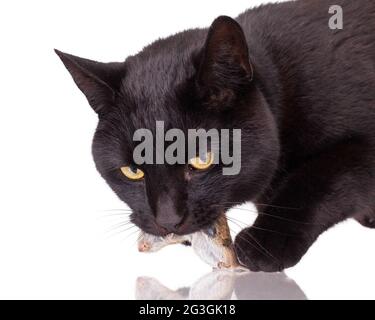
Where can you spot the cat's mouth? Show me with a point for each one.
(209, 230)
(185, 229)
(189, 225)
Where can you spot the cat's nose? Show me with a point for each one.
(167, 216)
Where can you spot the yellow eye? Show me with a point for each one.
(132, 173)
(202, 164)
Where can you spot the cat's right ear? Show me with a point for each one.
(98, 81)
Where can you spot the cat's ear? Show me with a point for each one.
(225, 68)
(98, 81)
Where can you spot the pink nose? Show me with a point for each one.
(144, 246)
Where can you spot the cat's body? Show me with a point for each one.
(304, 97)
(324, 103)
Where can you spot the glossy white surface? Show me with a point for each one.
(56, 238)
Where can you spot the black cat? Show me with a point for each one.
(303, 96)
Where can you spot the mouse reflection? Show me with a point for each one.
(225, 285)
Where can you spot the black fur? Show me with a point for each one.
(304, 97)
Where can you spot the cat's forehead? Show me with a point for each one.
(151, 93)
(156, 78)
(159, 68)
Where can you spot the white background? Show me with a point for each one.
(56, 238)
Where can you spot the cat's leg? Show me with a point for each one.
(320, 193)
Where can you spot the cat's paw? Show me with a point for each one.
(267, 251)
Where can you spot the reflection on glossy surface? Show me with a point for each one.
(225, 285)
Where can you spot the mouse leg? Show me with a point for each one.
(223, 239)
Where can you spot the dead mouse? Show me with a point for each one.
(213, 245)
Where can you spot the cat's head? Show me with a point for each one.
(192, 80)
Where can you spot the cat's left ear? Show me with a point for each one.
(225, 70)
(97, 80)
